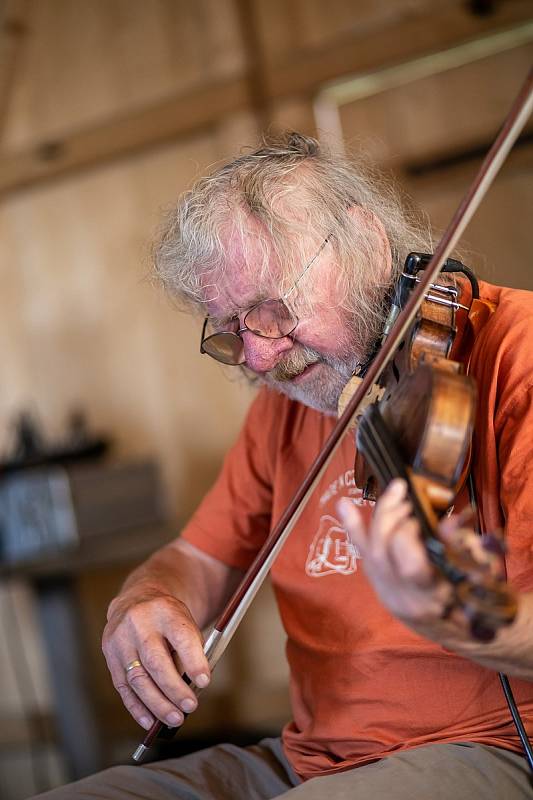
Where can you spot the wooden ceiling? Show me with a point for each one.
(268, 53)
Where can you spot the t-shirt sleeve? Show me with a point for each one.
(514, 431)
(233, 520)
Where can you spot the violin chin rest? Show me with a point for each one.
(374, 393)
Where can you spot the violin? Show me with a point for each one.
(419, 428)
(487, 603)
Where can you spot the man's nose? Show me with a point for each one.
(263, 354)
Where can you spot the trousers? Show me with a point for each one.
(458, 771)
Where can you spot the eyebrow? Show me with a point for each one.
(225, 318)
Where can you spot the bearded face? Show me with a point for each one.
(313, 378)
(314, 362)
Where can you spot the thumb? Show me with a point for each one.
(353, 523)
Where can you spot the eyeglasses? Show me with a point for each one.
(270, 319)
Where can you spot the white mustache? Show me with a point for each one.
(294, 364)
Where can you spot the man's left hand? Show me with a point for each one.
(395, 559)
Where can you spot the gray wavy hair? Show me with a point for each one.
(298, 193)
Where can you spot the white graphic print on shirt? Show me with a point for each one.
(331, 551)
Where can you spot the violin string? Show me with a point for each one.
(379, 449)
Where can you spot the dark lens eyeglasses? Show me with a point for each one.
(271, 319)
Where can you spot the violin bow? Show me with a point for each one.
(233, 613)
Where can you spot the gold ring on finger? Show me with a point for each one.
(133, 664)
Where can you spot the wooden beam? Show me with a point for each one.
(442, 28)
(301, 76)
(165, 121)
(458, 169)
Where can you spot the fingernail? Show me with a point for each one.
(188, 705)
(202, 680)
(399, 486)
(174, 719)
(146, 723)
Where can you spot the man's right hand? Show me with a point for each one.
(149, 639)
(156, 621)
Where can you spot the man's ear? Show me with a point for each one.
(364, 218)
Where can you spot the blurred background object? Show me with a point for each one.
(108, 110)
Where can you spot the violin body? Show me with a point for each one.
(431, 415)
(428, 404)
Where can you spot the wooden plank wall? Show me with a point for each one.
(109, 109)
(80, 322)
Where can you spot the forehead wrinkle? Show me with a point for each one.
(238, 277)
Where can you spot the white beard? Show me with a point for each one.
(322, 388)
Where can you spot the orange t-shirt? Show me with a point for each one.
(363, 685)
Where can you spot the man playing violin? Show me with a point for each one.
(289, 253)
